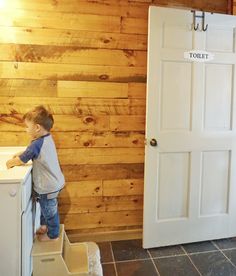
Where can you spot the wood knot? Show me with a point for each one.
(88, 120)
(103, 77)
(135, 141)
(106, 41)
(88, 143)
(77, 138)
(97, 189)
(128, 53)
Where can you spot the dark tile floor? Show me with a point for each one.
(128, 258)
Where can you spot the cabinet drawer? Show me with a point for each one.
(26, 192)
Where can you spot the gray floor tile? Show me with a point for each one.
(136, 268)
(105, 251)
(226, 243)
(176, 266)
(199, 247)
(108, 270)
(213, 264)
(129, 250)
(231, 254)
(166, 251)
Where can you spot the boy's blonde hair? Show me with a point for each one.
(40, 115)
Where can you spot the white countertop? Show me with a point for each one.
(16, 174)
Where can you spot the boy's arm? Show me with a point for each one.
(21, 158)
(14, 162)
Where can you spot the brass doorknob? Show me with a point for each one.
(153, 142)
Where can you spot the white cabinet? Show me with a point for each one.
(16, 238)
(27, 240)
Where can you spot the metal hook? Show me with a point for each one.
(204, 28)
(196, 28)
(194, 21)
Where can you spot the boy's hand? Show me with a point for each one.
(10, 163)
(14, 162)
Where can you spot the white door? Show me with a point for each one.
(190, 176)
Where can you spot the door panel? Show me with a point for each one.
(176, 107)
(215, 183)
(177, 36)
(173, 185)
(218, 97)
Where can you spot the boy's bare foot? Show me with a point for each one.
(42, 230)
(45, 237)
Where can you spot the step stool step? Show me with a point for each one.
(50, 247)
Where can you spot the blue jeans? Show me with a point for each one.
(49, 215)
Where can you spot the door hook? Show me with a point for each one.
(204, 27)
(195, 27)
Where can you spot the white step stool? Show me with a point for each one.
(62, 258)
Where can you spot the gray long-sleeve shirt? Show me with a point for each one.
(47, 174)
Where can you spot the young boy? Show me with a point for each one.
(47, 176)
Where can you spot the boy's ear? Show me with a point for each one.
(38, 127)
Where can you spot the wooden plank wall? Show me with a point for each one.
(234, 6)
(85, 61)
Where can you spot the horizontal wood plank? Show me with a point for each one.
(72, 123)
(92, 89)
(71, 55)
(207, 5)
(9, 139)
(79, 139)
(121, 203)
(102, 172)
(134, 25)
(59, 20)
(98, 139)
(80, 107)
(119, 123)
(27, 88)
(82, 189)
(133, 8)
(103, 219)
(81, 206)
(105, 7)
(137, 90)
(121, 187)
(101, 156)
(21, 70)
(14, 122)
(85, 39)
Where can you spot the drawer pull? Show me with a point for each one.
(48, 260)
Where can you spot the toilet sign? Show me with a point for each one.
(198, 56)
